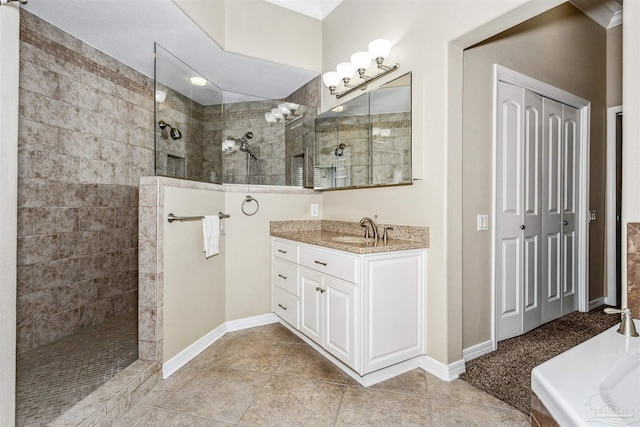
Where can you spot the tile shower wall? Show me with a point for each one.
(633, 268)
(86, 136)
(184, 157)
(390, 148)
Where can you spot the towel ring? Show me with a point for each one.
(250, 199)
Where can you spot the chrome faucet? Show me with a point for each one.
(374, 227)
(627, 327)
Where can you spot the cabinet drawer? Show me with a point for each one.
(285, 275)
(285, 306)
(285, 250)
(342, 266)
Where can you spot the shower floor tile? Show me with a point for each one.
(54, 377)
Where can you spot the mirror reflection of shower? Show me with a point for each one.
(234, 143)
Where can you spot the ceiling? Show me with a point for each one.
(126, 30)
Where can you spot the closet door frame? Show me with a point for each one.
(503, 74)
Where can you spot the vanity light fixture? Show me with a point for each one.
(378, 51)
(284, 114)
(198, 81)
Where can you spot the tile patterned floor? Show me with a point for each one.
(266, 376)
(54, 377)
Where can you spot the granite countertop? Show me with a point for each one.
(322, 233)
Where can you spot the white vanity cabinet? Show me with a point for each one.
(285, 299)
(365, 310)
(329, 297)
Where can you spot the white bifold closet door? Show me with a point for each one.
(535, 258)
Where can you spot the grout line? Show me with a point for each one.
(335, 418)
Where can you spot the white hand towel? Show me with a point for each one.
(211, 234)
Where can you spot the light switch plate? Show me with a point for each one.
(483, 222)
(314, 209)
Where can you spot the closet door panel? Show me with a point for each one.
(571, 146)
(531, 211)
(552, 182)
(509, 194)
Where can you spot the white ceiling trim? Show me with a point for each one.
(318, 9)
(607, 13)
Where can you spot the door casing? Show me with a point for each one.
(507, 75)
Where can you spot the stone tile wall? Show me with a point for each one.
(633, 268)
(85, 138)
(389, 153)
(185, 115)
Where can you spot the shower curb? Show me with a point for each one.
(114, 398)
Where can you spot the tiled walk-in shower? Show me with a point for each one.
(55, 376)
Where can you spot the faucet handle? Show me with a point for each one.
(385, 234)
(366, 229)
(627, 326)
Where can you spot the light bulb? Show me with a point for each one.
(361, 61)
(284, 110)
(292, 106)
(160, 96)
(379, 49)
(270, 118)
(198, 81)
(277, 114)
(345, 70)
(331, 79)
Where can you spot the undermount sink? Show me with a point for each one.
(353, 239)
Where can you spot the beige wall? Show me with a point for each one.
(194, 286)
(427, 39)
(631, 137)
(9, 70)
(201, 294)
(248, 246)
(259, 29)
(574, 50)
(614, 66)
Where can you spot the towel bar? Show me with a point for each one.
(171, 217)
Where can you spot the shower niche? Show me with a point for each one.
(205, 133)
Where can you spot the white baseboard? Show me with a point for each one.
(186, 355)
(189, 353)
(445, 372)
(596, 303)
(477, 350)
(251, 322)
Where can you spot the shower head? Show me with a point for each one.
(244, 147)
(174, 132)
(229, 145)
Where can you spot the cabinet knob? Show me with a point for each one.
(522, 227)
(318, 289)
(284, 307)
(281, 251)
(321, 263)
(565, 222)
(322, 291)
(284, 277)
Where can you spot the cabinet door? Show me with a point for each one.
(393, 309)
(311, 301)
(340, 320)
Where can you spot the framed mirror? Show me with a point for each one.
(366, 142)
